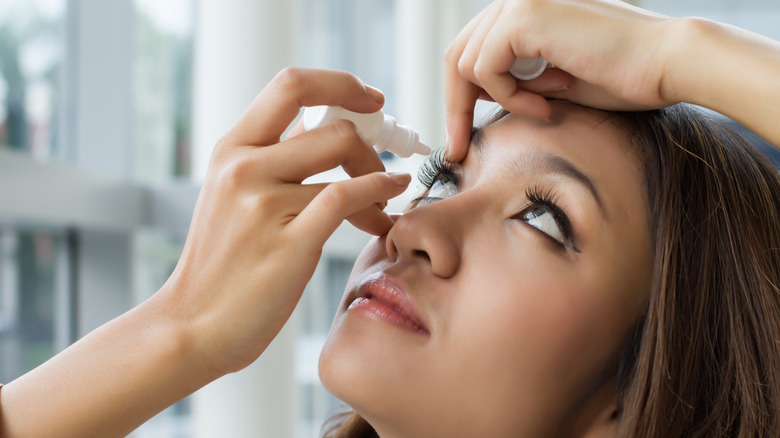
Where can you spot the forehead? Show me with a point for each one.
(587, 138)
(574, 132)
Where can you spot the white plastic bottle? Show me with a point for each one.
(526, 69)
(377, 128)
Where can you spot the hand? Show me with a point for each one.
(607, 55)
(257, 232)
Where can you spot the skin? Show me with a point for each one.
(232, 291)
(254, 241)
(519, 327)
(608, 55)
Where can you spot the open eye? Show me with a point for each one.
(541, 218)
(442, 188)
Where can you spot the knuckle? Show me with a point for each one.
(377, 181)
(261, 202)
(452, 55)
(290, 78)
(237, 173)
(347, 133)
(351, 78)
(223, 145)
(524, 8)
(480, 70)
(464, 67)
(336, 195)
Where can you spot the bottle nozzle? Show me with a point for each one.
(421, 148)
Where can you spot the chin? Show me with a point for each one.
(375, 368)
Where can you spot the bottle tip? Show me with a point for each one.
(422, 148)
(527, 69)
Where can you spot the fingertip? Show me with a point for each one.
(457, 144)
(400, 178)
(375, 94)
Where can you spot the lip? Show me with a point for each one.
(385, 299)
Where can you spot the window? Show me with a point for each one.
(31, 51)
(162, 89)
(35, 298)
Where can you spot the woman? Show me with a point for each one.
(624, 287)
(586, 274)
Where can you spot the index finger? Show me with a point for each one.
(460, 97)
(264, 122)
(459, 93)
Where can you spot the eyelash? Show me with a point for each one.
(437, 168)
(546, 198)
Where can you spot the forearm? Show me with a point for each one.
(108, 383)
(727, 69)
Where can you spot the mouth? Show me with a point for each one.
(384, 299)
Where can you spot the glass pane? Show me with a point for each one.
(162, 84)
(759, 16)
(352, 35)
(30, 277)
(31, 51)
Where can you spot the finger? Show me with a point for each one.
(343, 199)
(280, 101)
(460, 94)
(321, 149)
(492, 73)
(295, 130)
(552, 80)
(471, 52)
(372, 220)
(585, 93)
(295, 197)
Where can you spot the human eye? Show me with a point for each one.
(544, 214)
(439, 178)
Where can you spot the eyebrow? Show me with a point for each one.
(551, 163)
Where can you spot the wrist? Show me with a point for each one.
(686, 60)
(184, 344)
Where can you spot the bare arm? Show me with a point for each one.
(729, 70)
(612, 56)
(109, 382)
(254, 241)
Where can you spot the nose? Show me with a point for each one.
(427, 234)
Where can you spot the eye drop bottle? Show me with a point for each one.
(378, 129)
(527, 69)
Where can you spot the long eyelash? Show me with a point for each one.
(548, 198)
(436, 167)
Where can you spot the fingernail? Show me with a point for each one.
(559, 89)
(400, 178)
(375, 94)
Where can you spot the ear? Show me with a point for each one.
(597, 416)
(604, 424)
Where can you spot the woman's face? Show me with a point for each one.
(494, 306)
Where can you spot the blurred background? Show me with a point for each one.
(108, 113)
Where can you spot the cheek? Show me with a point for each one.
(540, 334)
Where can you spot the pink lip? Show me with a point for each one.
(384, 299)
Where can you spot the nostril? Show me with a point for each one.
(421, 253)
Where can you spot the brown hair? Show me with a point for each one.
(704, 359)
(708, 360)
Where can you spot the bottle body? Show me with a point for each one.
(381, 130)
